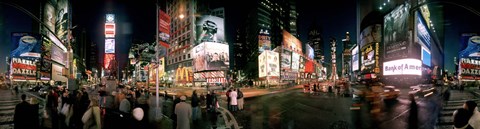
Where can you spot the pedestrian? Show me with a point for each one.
(51, 108)
(125, 105)
(446, 96)
(176, 100)
(229, 107)
(460, 119)
(195, 109)
(213, 105)
(209, 101)
(203, 102)
(233, 100)
(35, 115)
(183, 111)
(23, 114)
(240, 99)
(471, 107)
(91, 118)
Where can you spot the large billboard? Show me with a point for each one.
(23, 68)
(469, 69)
(422, 34)
(57, 73)
(211, 56)
(262, 65)
(371, 34)
(295, 62)
(402, 67)
(426, 57)
(107, 59)
(56, 18)
(26, 45)
(109, 45)
(309, 66)
(355, 59)
(310, 54)
(286, 62)
(58, 55)
(396, 34)
(264, 42)
(368, 56)
(273, 60)
(473, 48)
(291, 42)
(210, 29)
(45, 70)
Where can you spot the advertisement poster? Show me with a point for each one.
(210, 29)
(58, 55)
(45, 70)
(371, 34)
(403, 67)
(164, 30)
(273, 68)
(426, 57)
(422, 35)
(309, 66)
(295, 62)
(301, 66)
(473, 48)
(286, 59)
(46, 48)
(183, 75)
(24, 68)
(199, 59)
(109, 45)
(107, 59)
(262, 65)
(264, 43)
(211, 56)
(396, 33)
(61, 22)
(469, 69)
(310, 54)
(355, 58)
(464, 39)
(291, 42)
(26, 45)
(368, 57)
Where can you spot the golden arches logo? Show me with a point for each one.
(182, 74)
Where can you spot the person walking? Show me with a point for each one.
(51, 108)
(233, 100)
(91, 118)
(23, 114)
(229, 107)
(195, 102)
(183, 111)
(240, 99)
(471, 107)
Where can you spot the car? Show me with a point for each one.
(43, 91)
(390, 93)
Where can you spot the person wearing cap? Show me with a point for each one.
(474, 120)
(183, 110)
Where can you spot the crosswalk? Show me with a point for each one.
(7, 108)
(456, 101)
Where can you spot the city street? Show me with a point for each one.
(295, 109)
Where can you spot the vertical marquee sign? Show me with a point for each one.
(109, 40)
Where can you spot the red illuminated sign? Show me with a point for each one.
(109, 29)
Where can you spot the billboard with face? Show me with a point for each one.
(273, 68)
(58, 55)
(371, 34)
(264, 42)
(286, 62)
(26, 45)
(107, 59)
(210, 29)
(211, 56)
(310, 54)
(396, 33)
(109, 45)
(291, 42)
(45, 70)
(24, 68)
(295, 62)
(56, 18)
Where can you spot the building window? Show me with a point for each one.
(188, 56)
(184, 57)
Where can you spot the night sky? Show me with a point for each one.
(136, 23)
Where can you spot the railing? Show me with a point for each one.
(230, 121)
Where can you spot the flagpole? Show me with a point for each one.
(157, 108)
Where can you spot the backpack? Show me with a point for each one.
(240, 95)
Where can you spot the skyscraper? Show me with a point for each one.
(316, 41)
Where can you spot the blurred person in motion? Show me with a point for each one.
(460, 119)
(92, 118)
(183, 111)
(240, 99)
(195, 109)
(471, 107)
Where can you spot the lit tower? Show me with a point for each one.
(334, 60)
(109, 63)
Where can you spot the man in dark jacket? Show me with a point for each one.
(22, 118)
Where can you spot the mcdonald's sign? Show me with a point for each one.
(184, 74)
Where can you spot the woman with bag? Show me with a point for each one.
(91, 118)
